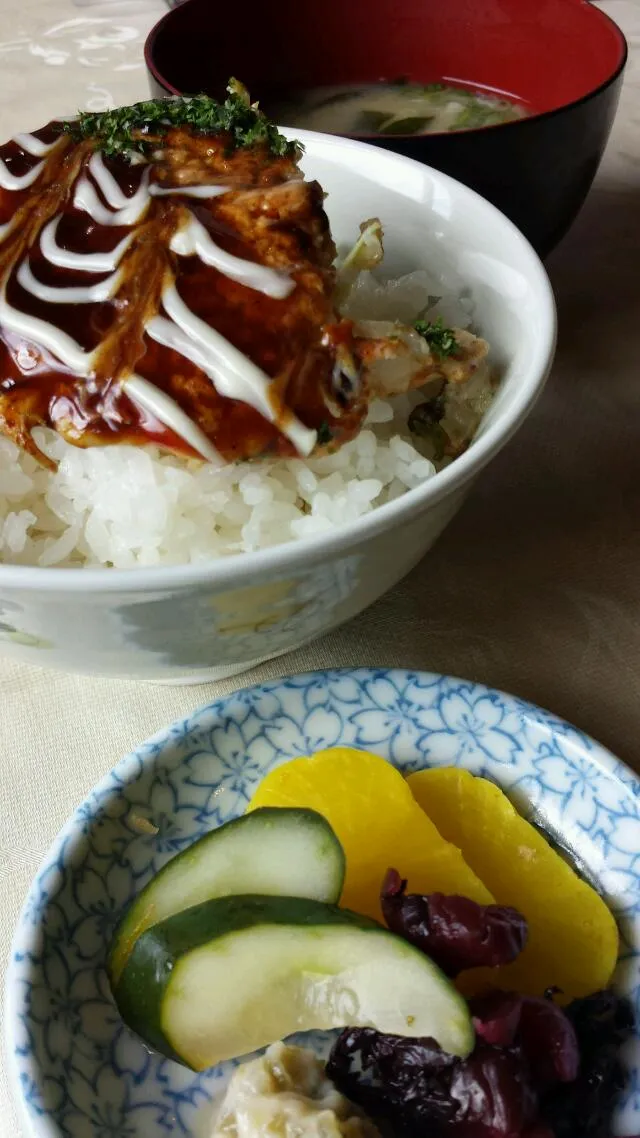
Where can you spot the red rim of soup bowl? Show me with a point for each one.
(600, 46)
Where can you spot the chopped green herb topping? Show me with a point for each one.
(441, 340)
(136, 128)
(325, 434)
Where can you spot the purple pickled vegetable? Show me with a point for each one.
(524, 1048)
(603, 1019)
(496, 1017)
(602, 1022)
(497, 1091)
(541, 1030)
(455, 932)
(494, 1094)
(406, 1081)
(420, 1090)
(548, 1039)
(537, 1070)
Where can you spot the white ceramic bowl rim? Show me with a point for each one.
(234, 569)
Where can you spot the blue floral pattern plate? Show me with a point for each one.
(76, 1069)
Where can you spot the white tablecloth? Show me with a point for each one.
(536, 586)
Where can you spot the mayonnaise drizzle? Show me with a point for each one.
(188, 191)
(113, 193)
(86, 199)
(233, 374)
(165, 409)
(86, 262)
(34, 146)
(38, 331)
(9, 181)
(74, 294)
(194, 238)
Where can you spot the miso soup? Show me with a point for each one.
(394, 108)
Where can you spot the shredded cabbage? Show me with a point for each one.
(365, 255)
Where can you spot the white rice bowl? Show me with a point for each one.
(125, 506)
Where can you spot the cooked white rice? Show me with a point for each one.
(125, 506)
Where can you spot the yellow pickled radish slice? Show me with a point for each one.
(573, 938)
(375, 817)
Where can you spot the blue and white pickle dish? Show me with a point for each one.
(214, 618)
(76, 1071)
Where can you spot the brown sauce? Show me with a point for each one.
(286, 337)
